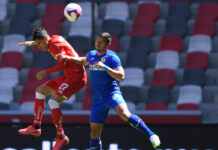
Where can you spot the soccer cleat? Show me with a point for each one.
(60, 142)
(155, 141)
(30, 131)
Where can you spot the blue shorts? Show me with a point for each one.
(101, 106)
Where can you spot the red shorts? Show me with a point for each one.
(65, 86)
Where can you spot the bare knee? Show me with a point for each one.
(124, 115)
(58, 98)
(123, 112)
(45, 90)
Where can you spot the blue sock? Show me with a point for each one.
(139, 124)
(95, 144)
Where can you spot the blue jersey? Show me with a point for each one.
(102, 83)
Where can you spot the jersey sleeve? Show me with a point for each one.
(115, 62)
(60, 66)
(88, 55)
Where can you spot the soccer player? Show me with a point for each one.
(62, 87)
(106, 69)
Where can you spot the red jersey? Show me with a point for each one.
(59, 46)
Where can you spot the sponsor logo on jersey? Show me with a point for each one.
(95, 68)
(62, 87)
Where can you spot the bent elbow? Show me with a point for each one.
(122, 78)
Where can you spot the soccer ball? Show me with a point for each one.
(72, 11)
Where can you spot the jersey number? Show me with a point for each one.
(62, 87)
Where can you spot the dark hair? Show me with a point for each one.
(39, 33)
(106, 36)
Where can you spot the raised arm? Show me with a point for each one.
(27, 43)
(77, 60)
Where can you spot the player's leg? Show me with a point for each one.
(123, 112)
(136, 122)
(98, 117)
(41, 93)
(54, 104)
(35, 128)
(95, 142)
(65, 90)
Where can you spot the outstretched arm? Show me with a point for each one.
(60, 66)
(76, 60)
(27, 43)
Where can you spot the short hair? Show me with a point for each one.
(39, 33)
(106, 36)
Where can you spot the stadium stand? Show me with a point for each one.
(12, 59)
(117, 10)
(10, 43)
(171, 42)
(3, 9)
(176, 26)
(150, 10)
(157, 101)
(180, 10)
(169, 51)
(194, 77)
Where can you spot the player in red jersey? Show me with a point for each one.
(62, 87)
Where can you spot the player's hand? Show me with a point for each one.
(65, 57)
(40, 75)
(27, 43)
(99, 64)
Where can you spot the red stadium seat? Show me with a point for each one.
(150, 10)
(28, 92)
(87, 100)
(12, 59)
(31, 78)
(156, 106)
(55, 10)
(204, 25)
(188, 106)
(142, 26)
(27, 1)
(208, 9)
(197, 60)
(114, 44)
(171, 42)
(52, 25)
(163, 77)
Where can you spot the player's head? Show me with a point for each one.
(41, 38)
(103, 41)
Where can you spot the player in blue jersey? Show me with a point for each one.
(105, 68)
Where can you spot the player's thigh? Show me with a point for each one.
(50, 86)
(96, 129)
(119, 104)
(45, 90)
(99, 112)
(67, 88)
